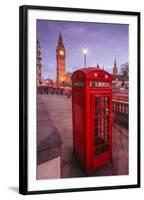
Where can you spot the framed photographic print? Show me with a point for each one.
(79, 99)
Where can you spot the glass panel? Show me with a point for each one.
(107, 120)
(106, 111)
(107, 100)
(100, 112)
(97, 112)
(99, 101)
(102, 101)
(98, 151)
(99, 137)
(78, 84)
(97, 141)
(107, 129)
(105, 148)
(96, 132)
(96, 122)
(101, 125)
(101, 149)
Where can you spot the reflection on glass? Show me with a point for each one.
(101, 125)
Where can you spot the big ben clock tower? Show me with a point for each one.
(60, 57)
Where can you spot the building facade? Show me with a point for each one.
(120, 81)
(38, 63)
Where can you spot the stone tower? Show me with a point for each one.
(115, 69)
(60, 57)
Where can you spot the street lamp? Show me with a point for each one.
(85, 52)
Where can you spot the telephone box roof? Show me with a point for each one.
(90, 72)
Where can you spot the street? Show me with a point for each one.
(59, 110)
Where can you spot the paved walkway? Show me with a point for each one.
(59, 110)
(48, 139)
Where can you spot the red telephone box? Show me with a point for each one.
(92, 117)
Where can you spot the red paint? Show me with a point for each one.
(92, 117)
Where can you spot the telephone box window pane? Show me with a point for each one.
(97, 152)
(105, 148)
(107, 132)
(107, 111)
(96, 132)
(106, 129)
(96, 122)
(107, 138)
(102, 101)
(99, 137)
(99, 102)
(107, 100)
(107, 120)
(97, 141)
(99, 122)
(101, 149)
(96, 102)
(101, 125)
(100, 112)
(96, 112)
(78, 84)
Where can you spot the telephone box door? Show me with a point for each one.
(101, 130)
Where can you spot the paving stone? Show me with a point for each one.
(48, 138)
(59, 109)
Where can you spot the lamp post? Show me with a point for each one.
(85, 51)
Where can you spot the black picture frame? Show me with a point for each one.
(23, 97)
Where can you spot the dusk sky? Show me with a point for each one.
(105, 42)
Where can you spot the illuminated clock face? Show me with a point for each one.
(61, 52)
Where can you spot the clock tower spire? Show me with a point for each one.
(60, 57)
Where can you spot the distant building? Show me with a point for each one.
(119, 80)
(115, 69)
(47, 82)
(68, 76)
(62, 76)
(38, 63)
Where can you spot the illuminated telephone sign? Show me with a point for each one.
(92, 117)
